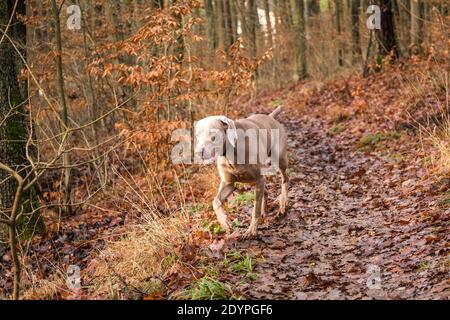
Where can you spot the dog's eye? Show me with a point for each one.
(213, 138)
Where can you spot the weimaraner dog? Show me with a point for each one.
(238, 148)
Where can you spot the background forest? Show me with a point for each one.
(91, 92)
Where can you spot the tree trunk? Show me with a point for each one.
(313, 7)
(268, 23)
(356, 45)
(417, 18)
(179, 47)
(113, 18)
(386, 37)
(300, 42)
(404, 13)
(286, 13)
(243, 19)
(62, 99)
(338, 17)
(228, 23)
(12, 130)
(234, 20)
(211, 27)
(91, 97)
(14, 133)
(252, 21)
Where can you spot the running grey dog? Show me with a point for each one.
(243, 149)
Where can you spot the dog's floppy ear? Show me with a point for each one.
(231, 130)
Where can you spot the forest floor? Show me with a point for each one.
(368, 214)
(359, 226)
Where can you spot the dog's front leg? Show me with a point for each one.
(253, 229)
(225, 190)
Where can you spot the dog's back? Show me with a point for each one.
(276, 139)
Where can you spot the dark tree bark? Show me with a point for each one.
(229, 40)
(386, 37)
(338, 18)
(234, 19)
(356, 45)
(179, 47)
(13, 100)
(313, 7)
(14, 132)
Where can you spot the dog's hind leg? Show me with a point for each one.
(259, 195)
(284, 192)
(225, 190)
(264, 203)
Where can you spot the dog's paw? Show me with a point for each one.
(281, 212)
(249, 234)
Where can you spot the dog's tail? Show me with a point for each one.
(276, 112)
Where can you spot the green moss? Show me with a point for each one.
(16, 134)
(337, 129)
(372, 141)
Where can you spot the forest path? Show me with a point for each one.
(352, 230)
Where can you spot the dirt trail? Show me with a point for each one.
(348, 219)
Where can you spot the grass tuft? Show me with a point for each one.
(246, 198)
(209, 288)
(241, 264)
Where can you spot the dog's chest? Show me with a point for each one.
(238, 173)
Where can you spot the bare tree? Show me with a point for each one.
(356, 45)
(211, 27)
(300, 42)
(417, 18)
(62, 99)
(338, 6)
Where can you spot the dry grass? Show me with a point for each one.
(135, 264)
(430, 96)
(441, 142)
(50, 288)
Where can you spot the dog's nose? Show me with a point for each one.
(199, 152)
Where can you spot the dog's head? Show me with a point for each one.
(212, 135)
